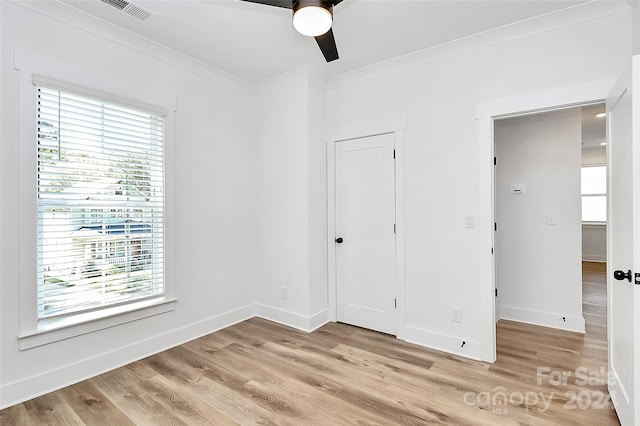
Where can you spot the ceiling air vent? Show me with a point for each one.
(130, 9)
(118, 4)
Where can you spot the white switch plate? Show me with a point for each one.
(456, 314)
(470, 221)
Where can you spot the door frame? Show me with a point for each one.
(363, 130)
(486, 112)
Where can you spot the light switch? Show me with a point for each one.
(470, 221)
(517, 188)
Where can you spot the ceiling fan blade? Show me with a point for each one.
(335, 2)
(327, 44)
(287, 4)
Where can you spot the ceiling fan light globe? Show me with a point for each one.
(312, 21)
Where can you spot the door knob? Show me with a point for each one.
(339, 240)
(621, 275)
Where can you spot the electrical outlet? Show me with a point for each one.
(284, 294)
(456, 314)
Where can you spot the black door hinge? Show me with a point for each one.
(495, 226)
(394, 153)
(394, 228)
(637, 279)
(496, 292)
(495, 161)
(395, 303)
(491, 250)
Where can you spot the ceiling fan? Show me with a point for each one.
(311, 18)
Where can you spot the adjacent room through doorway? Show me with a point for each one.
(550, 210)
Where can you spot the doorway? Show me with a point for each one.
(547, 221)
(537, 216)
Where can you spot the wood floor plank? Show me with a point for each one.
(16, 415)
(304, 396)
(245, 405)
(92, 406)
(222, 371)
(124, 388)
(185, 405)
(51, 409)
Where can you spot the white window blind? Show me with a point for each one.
(594, 194)
(100, 234)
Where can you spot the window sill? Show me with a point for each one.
(65, 328)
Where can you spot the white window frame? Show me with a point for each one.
(595, 223)
(33, 333)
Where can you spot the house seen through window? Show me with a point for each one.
(100, 219)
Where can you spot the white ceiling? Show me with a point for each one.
(256, 42)
(593, 128)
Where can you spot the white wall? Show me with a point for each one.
(318, 292)
(538, 241)
(594, 156)
(439, 89)
(281, 121)
(215, 191)
(292, 200)
(636, 27)
(594, 243)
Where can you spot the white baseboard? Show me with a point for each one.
(34, 386)
(446, 343)
(292, 319)
(594, 258)
(546, 319)
(318, 320)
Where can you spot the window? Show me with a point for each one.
(100, 205)
(594, 194)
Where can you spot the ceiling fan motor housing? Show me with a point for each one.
(325, 4)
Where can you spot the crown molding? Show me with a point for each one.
(113, 33)
(554, 20)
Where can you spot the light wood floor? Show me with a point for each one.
(258, 372)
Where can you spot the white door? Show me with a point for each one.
(365, 232)
(623, 309)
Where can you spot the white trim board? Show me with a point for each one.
(594, 258)
(292, 319)
(446, 343)
(545, 319)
